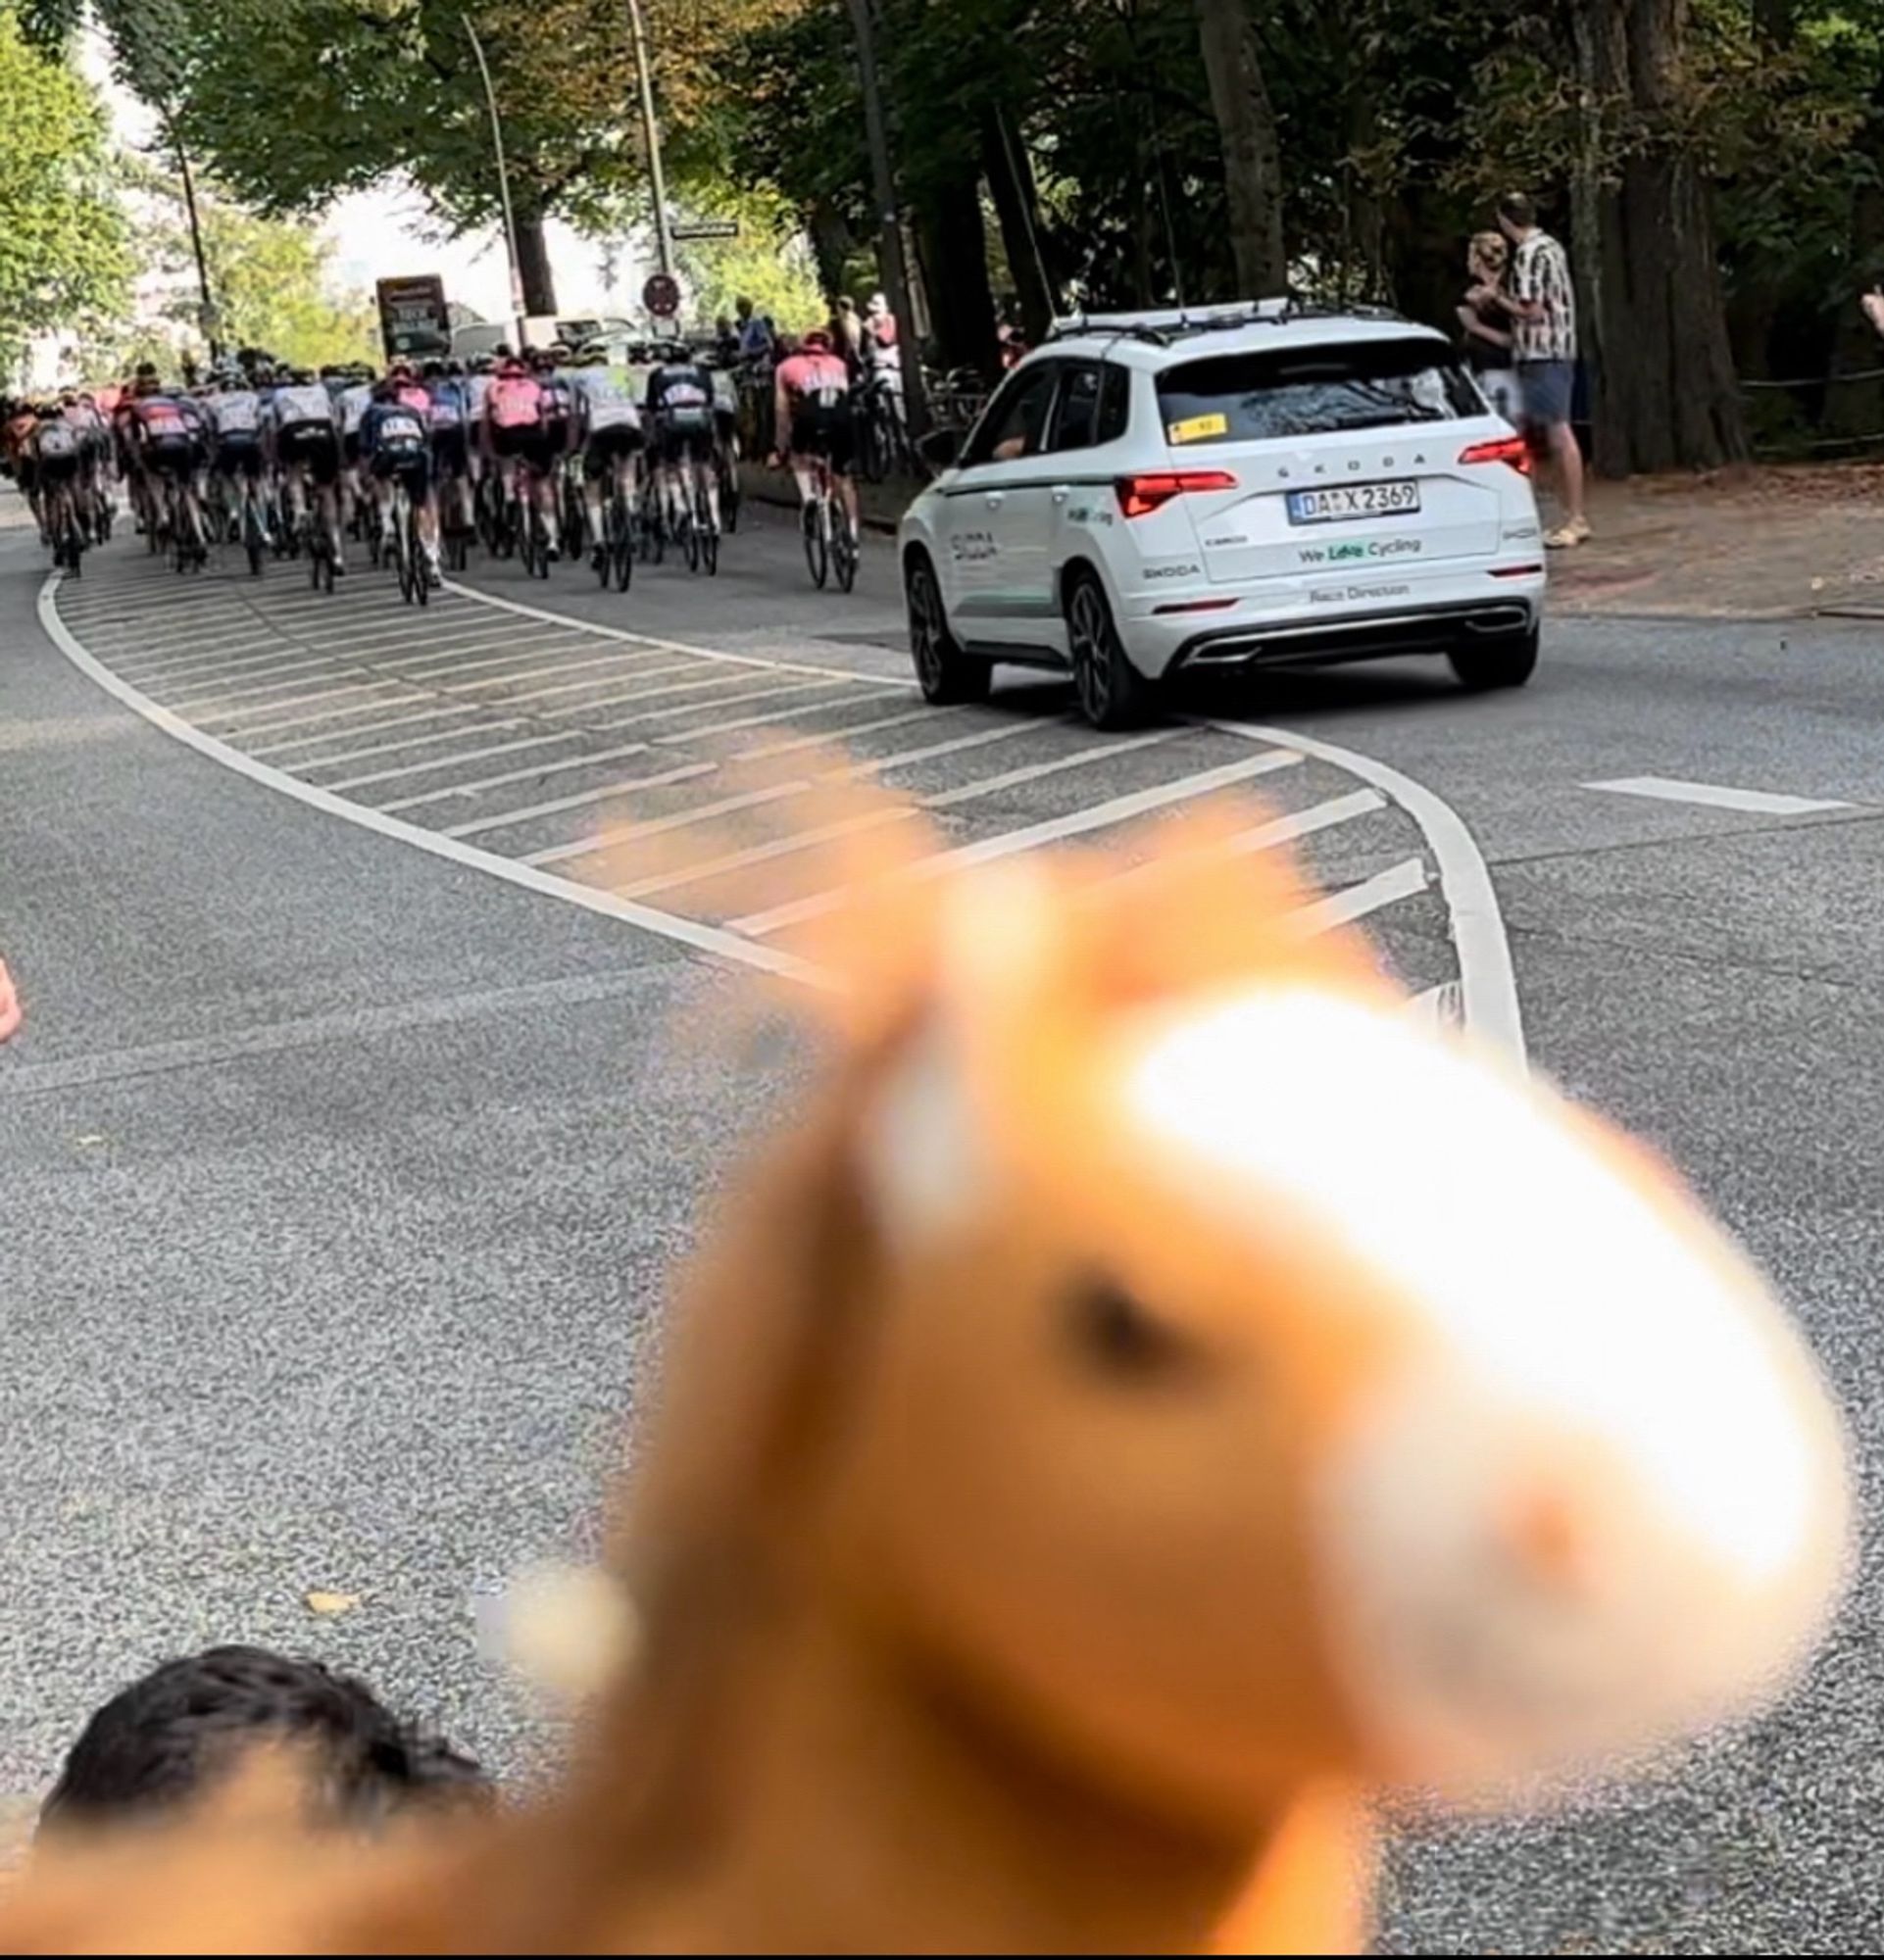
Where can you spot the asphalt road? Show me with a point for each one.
(341, 1159)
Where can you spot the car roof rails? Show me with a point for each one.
(1162, 326)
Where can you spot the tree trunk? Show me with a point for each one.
(1246, 122)
(533, 264)
(1667, 395)
(833, 243)
(954, 264)
(1011, 183)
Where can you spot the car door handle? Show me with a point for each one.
(996, 498)
(1060, 495)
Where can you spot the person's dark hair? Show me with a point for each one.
(158, 1743)
(1518, 208)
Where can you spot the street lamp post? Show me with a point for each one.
(503, 180)
(656, 180)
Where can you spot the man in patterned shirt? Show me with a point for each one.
(1541, 303)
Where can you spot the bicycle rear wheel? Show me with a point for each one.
(843, 547)
(817, 556)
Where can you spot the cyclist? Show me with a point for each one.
(812, 401)
(450, 417)
(550, 366)
(515, 430)
(608, 426)
(354, 401)
(395, 438)
(681, 412)
(54, 468)
(16, 440)
(161, 440)
(80, 409)
(306, 443)
(236, 415)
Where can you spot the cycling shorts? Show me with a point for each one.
(528, 442)
(450, 452)
(678, 440)
(827, 432)
(24, 474)
(172, 455)
(411, 462)
(607, 447)
(240, 453)
(315, 445)
(55, 471)
(350, 447)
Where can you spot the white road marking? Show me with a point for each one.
(1437, 1006)
(674, 646)
(601, 681)
(1030, 772)
(810, 741)
(692, 707)
(349, 756)
(1306, 822)
(779, 847)
(378, 698)
(1355, 901)
(607, 840)
(1074, 823)
(709, 939)
(532, 772)
(433, 713)
(1763, 802)
(686, 773)
(1003, 731)
(1489, 986)
(457, 760)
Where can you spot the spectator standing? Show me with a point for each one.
(755, 334)
(1487, 328)
(846, 329)
(1541, 306)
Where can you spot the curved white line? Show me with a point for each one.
(1487, 984)
(667, 925)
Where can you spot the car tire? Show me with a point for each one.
(1113, 693)
(1490, 663)
(947, 676)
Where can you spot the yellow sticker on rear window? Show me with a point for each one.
(1197, 428)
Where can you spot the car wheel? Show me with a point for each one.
(1493, 663)
(947, 676)
(1113, 693)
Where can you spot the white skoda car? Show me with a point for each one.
(1227, 487)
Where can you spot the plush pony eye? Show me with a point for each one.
(1122, 1340)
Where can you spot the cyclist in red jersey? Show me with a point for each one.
(812, 399)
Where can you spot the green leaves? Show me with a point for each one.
(64, 254)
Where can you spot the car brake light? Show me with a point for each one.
(1511, 449)
(1139, 496)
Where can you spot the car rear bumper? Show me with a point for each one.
(1432, 616)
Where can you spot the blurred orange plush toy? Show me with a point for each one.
(1159, 1398)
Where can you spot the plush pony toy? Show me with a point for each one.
(1160, 1398)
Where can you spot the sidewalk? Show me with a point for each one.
(1768, 543)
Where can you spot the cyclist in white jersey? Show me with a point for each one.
(235, 425)
(608, 428)
(305, 442)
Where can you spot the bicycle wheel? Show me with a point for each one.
(624, 549)
(729, 494)
(843, 547)
(690, 539)
(710, 549)
(817, 556)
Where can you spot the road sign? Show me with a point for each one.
(413, 317)
(706, 227)
(661, 295)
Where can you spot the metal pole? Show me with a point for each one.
(896, 275)
(657, 182)
(502, 182)
(206, 306)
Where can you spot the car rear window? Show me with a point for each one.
(1292, 391)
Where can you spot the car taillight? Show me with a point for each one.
(1511, 449)
(1139, 496)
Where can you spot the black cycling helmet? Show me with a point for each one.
(503, 351)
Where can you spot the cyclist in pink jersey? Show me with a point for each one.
(812, 393)
(518, 432)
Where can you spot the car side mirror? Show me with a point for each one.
(941, 449)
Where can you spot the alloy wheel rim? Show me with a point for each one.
(1088, 656)
(927, 637)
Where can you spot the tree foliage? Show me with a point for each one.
(64, 255)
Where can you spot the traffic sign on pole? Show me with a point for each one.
(706, 227)
(661, 295)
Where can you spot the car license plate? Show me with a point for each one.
(1353, 500)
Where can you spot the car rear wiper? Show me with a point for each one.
(1383, 422)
